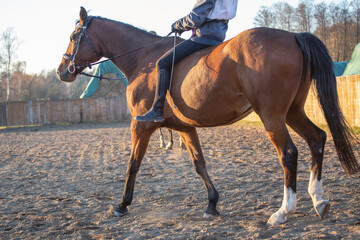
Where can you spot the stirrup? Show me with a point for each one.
(150, 116)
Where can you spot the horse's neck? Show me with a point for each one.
(117, 38)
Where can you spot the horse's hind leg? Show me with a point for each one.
(315, 138)
(192, 143)
(171, 142)
(287, 152)
(140, 134)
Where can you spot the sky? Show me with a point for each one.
(43, 26)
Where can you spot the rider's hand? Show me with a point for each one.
(174, 29)
(193, 32)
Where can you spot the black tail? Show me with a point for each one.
(322, 71)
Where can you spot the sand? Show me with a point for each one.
(61, 182)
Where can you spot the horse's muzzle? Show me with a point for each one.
(65, 75)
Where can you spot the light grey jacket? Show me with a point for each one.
(209, 18)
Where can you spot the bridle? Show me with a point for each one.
(71, 58)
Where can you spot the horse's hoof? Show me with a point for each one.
(275, 220)
(169, 146)
(211, 214)
(322, 208)
(207, 215)
(120, 212)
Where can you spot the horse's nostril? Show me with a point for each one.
(58, 73)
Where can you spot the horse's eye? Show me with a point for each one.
(72, 38)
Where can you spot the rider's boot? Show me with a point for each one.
(155, 114)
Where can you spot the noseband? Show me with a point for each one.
(71, 58)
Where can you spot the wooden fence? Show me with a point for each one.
(64, 111)
(349, 98)
(115, 108)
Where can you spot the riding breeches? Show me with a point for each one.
(182, 50)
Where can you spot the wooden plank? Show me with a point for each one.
(3, 114)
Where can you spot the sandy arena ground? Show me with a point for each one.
(60, 182)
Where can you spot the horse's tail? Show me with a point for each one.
(322, 71)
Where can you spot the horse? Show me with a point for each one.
(264, 70)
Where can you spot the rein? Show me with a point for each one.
(101, 77)
(172, 70)
(71, 58)
(90, 65)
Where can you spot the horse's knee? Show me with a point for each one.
(133, 168)
(289, 157)
(288, 161)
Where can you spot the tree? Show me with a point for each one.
(322, 20)
(355, 4)
(337, 25)
(10, 44)
(304, 15)
(335, 31)
(345, 22)
(284, 15)
(264, 18)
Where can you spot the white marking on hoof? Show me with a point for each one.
(322, 208)
(208, 215)
(276, 219)
(169, 146)
(288, 206)
(315, 190)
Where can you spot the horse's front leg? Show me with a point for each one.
(192, 143)
(162, 139)
(140, 134)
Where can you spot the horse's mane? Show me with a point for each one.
(126, 25)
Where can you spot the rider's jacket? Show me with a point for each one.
(209, 18)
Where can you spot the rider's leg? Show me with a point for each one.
(163, 66)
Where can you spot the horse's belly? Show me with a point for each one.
(211, 111)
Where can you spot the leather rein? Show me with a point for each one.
(71, 58)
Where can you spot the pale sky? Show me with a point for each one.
(44, 26)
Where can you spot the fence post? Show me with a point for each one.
(3, 114)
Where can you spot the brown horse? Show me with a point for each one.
(263, 70)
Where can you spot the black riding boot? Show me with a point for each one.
(155, 114)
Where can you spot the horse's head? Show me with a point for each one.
(81, 50)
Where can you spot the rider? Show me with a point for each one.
(209, 22)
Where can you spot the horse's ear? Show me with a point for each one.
(83, 15)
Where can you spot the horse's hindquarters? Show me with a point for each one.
(206, 90)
